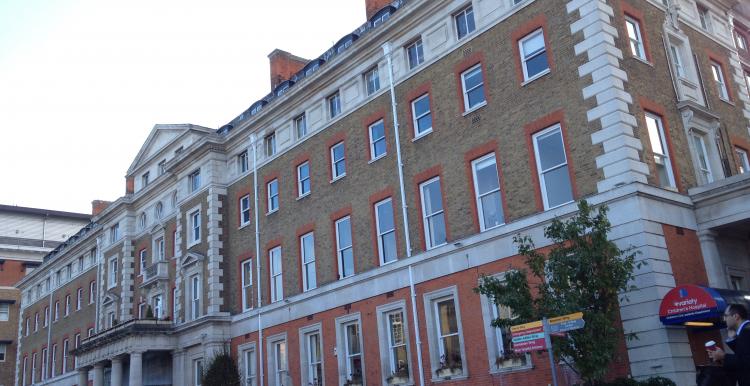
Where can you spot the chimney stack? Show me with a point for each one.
(129, 185)
(97, 206)
(283, 66)
(373, 6)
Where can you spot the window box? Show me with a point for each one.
(400, 377)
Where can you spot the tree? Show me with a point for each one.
(582, 271)
(222, 371)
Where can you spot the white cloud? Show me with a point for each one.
(83, 82)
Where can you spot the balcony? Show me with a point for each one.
(154, 273)
(133, 327)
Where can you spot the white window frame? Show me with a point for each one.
(416, 118)
(245, 211)
(36, 320)
(24, 367)
(246, 275)
(717, 72)
(243, 164)
(387, 360)
(57, 310)
(278, 373)
(428, 235)
(704, 17)
(342, 348)
(382, 233)
(333, 102)
(272, 208)
(300, 125)
(53, 361)
(471, 71)
(740, 41)
(33, 367)
(159, 249)
(65, 347)
(335, 161)
(340, 249)
(540, 172)
(277, 277)
(494, 336)
(419, 53)
(175, 300)
(307, 365)
(249, 364)
(157, 306)
(112, 274)
(636, 43)
(46, 316)
(667, 159)
(269, 143)
(702, 160)
(479, 196)
(114, 233)
(307, 259)
(196, 296)
(143, 261)
(92, 292)
(373, 141)
(302, 180)
(431, 301)
(194, 180)
(372, 80)
(525, 58)
(194, 226)
(466, 12)
(676, 54)
(45, 362)
(79, 299)
(4, 312)
(742, 157)
(198, 371)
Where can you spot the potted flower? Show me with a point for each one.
(400, 376)
(450, 365)
(354, 380)
(509, 355)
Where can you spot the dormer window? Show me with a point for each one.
(312, 69)
(380, 19)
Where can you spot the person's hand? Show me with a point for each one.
(716, 355)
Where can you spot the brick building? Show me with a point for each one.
(333, 232)
(26, 236)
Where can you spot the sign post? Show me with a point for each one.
(535, 336)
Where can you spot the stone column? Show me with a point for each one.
(178, 367)
(99, 374)
(712, 259)
(116, 377)
(83, 377)
(136, 368)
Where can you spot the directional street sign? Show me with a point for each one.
(566, 323)
(528, 337)
(566, 326)
(535, 336)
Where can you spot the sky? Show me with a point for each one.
(83, 82)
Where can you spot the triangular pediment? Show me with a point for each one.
(192, 258)
(109, 298)
(161, 137)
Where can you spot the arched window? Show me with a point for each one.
(158, 210)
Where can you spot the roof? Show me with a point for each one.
(44, 212)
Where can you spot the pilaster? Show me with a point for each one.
(620, 162)
(215, 246)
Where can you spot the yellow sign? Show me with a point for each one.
(526, 326)
(565, 318)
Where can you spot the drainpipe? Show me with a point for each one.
(49, 329)
(253, 139)
(98, 283)
(404, 213)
